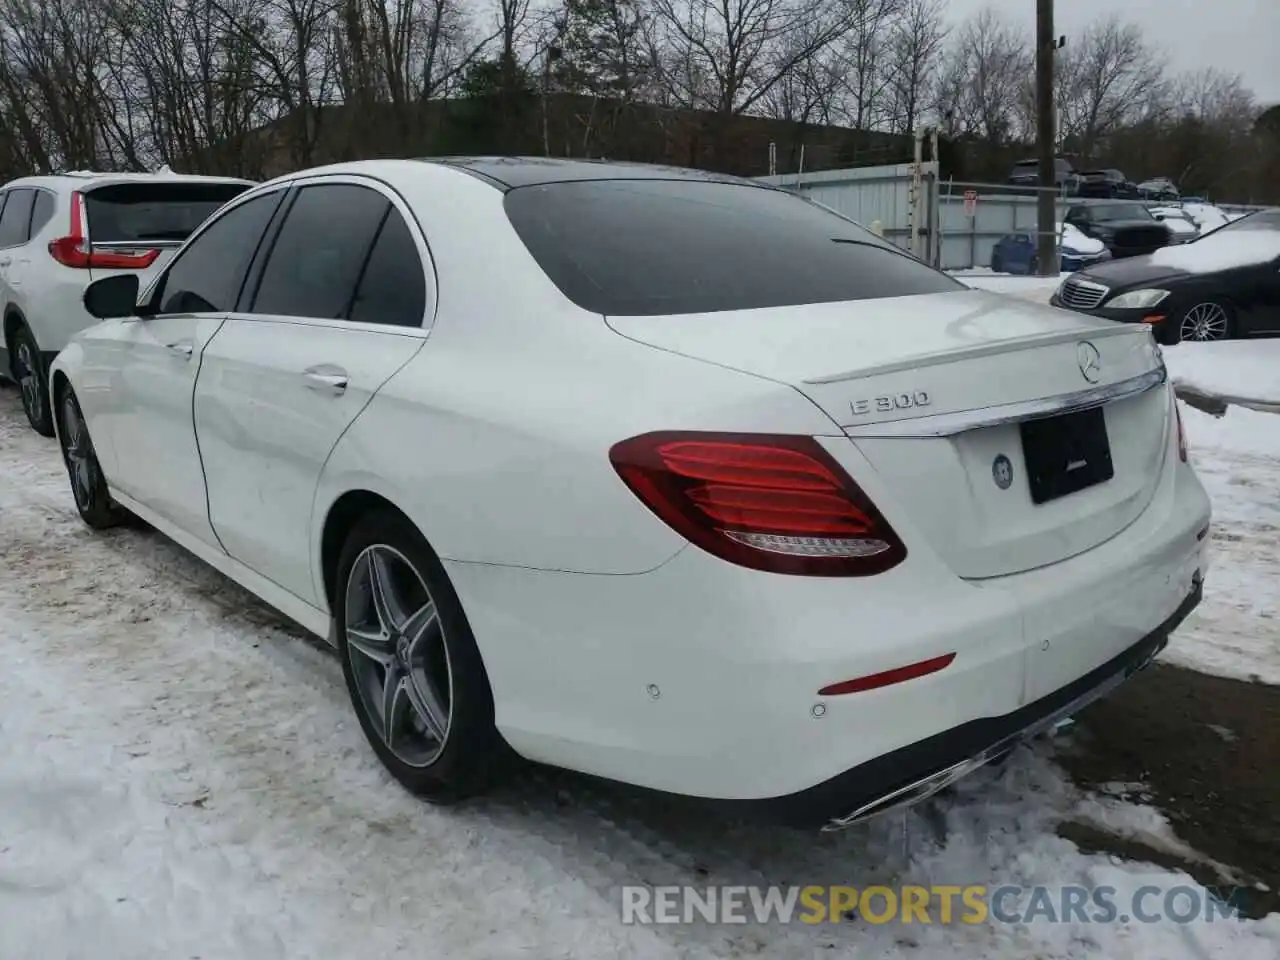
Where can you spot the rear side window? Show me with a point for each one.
(15, 219)
(125, 212)
(42, 211)
(651, 247)
(207, 276)
(393, 289)
(320, 251)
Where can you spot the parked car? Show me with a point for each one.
(1109, 184)
(1026, 173)
(1016, 252)
(1127, 229)
(1182, 228)
(1205, 215)
(1225, 284)
(1158, 188)
(59, 233)
(642, 472)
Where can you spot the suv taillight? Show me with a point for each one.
(75, 251)
(776, 503)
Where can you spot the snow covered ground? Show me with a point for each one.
(181, 776)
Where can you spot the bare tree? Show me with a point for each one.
(980, 86)
(54, 52)
(863, 52)
(727, 55)
(1107, 79)
(916, 43)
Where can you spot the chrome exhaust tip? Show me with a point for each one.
(912, 793)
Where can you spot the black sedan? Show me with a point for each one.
(1126, 227)
(1224, 284)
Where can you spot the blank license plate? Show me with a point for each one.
(1066, 453)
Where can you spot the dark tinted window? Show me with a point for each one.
(393, 289)
(154, 211)
(42, 211)
(647, 247)
(16, 217)
(318, 255)
(208, 275)
(1121, 211)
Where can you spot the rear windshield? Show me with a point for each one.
(653, 247)
(154, 211)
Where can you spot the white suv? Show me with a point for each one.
(59, 233)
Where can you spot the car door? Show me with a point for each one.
(338, 306)
(140, 374)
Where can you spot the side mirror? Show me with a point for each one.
(112, 297)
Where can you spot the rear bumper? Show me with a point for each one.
(914, 773)
(701, 679)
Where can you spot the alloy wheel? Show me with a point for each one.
(28, 373)
(78, 452)
(399, 657)
(1204, 321)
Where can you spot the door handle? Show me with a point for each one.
(326, 378)
(182, 348)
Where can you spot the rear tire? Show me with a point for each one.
(32, 380)
(88, 485)
(417, 683)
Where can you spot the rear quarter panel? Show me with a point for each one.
(495, 438)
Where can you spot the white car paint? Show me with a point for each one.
(612, 644)
(1182, 227)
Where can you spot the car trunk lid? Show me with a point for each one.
(933, 391)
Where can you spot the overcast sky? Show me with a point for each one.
(1242, 36)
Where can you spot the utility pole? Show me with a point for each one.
(1046, 196)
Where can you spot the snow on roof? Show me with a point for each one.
(1077, 241)
(1221, 251)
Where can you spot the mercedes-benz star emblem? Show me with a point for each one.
(1090, 361)
(1002, 472)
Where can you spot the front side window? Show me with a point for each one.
(208, 274)
(319, 254)
(652, 247)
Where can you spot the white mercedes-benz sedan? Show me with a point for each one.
(667, 477)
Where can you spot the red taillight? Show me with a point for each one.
(75, 251)
(775, 503)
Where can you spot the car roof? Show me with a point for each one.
(508, 173)
(517, 171)
(88, 179)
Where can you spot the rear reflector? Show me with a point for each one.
(75, 251)
(775, 503)
(888, 677)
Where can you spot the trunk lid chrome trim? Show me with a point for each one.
(950, 424)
